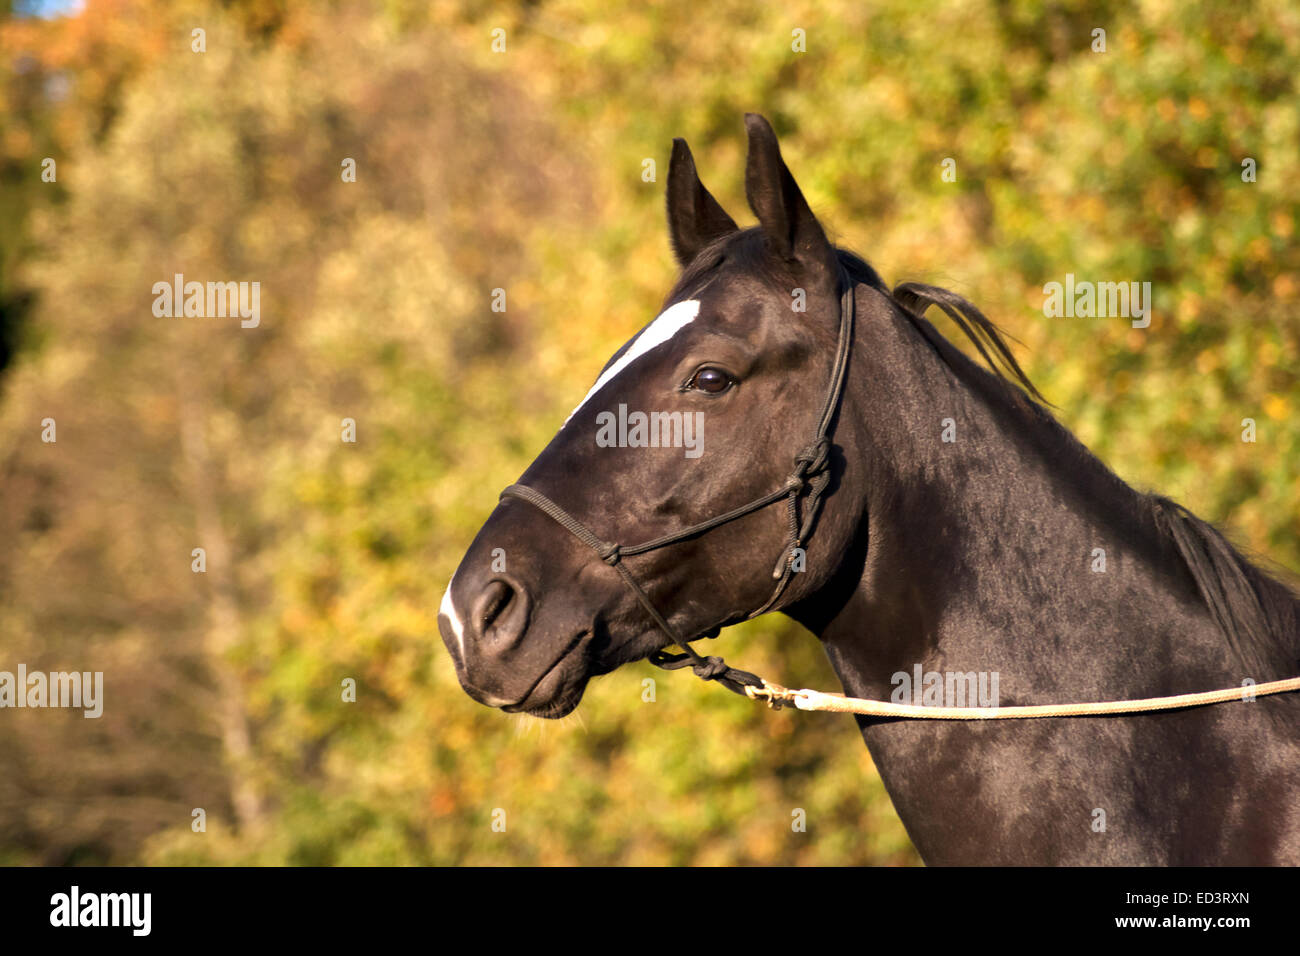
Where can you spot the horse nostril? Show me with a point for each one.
(500, 616)
(492, 603)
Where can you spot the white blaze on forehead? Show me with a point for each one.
(449, 609)
(671, 321)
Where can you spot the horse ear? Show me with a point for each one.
(792, 230)
(694, 217)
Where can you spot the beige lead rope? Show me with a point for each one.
(778, 697)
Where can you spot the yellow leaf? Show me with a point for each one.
(1276, 407)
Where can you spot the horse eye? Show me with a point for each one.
(712, 380)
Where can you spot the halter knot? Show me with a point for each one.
(813, 459)
(710, 667)
(610, 553)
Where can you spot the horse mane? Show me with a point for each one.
(1258, 613)
(988, 339)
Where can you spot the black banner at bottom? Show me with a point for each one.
(507, 907)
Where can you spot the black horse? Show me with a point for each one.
(960, 530)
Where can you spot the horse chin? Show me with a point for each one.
(561, 707)
(548, 703)
(560, 690)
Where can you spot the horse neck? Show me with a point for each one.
(985, 553)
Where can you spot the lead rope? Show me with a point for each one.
(778, 697)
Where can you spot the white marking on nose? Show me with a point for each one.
(671, 321)
(449, 609)
(457, 628)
